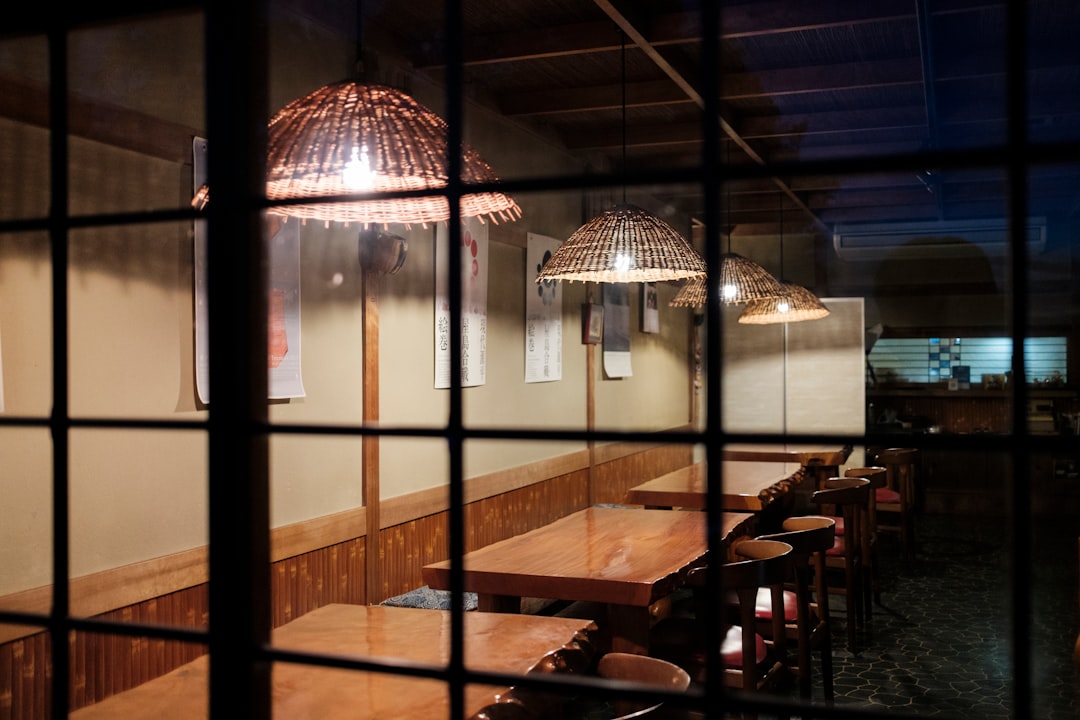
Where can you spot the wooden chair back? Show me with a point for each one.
(763, 564)
(901, 465)
(851, 498)
(644, 670)
(810, 536)
(878, 476)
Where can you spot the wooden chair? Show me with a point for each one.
(749, 662)
(643, 670)
(807, 626)
(896, 501)
(871, 567)
(850, 497)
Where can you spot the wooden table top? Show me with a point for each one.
(834, 455)
(493, 642)
(748, 486)
(624, 556)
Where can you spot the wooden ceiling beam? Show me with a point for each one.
(591, 99)
(677, 28)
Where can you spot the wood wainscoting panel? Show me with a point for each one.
(101, 664)
(302, 583)
(611, 479)
(503, 516)
(24, 678)
(408, 546)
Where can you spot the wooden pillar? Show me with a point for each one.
(370, 449)
(590, 397)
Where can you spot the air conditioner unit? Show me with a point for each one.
(942, 239)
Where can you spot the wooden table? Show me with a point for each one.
(835, 455)
(821, 461)
(748, 486)
(493, 642)
(625, 558)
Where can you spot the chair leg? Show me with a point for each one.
(908, 537)
(875, 575)
(853, 601)
(827, 670)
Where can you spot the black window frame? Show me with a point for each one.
(238, 429)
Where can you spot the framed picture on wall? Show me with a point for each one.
(592, 323)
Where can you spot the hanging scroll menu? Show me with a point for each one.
(283, 302)
(474, 273)
(616, 297)
(543, 314)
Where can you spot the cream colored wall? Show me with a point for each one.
(753, 371)
(657, 395)
(826, 364)
(808, 379)
(140, 494)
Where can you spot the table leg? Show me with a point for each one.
(498, 603)
(629, 628)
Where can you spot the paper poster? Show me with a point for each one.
(650, 309)
(283, 301)
(283, 323)
(474, 273)
(543, 314)
(616, 298)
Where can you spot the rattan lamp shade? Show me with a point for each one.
(623, 244)
(352, 137)
(693, 293)
(795, 305)
(743, 280)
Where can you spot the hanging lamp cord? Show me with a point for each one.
(727, 192)
(781, 237)
(360, 70)
(622, 59)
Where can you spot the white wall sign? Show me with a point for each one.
(474, 273)
(283, 304)
(616, 297)
(543, 314)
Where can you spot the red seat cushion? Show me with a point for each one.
(763, 605)
(887, 495)
(839, 523)
(839, 547)
(731, 647)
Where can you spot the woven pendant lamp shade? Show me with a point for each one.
(693, 293)
(743, 280)
(352, 137)
(623, 244)
(796, 305)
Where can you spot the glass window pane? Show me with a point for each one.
(138, 520)
(24, 122)
(25, 322)
(136, 101)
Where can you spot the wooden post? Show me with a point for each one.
(370, 449)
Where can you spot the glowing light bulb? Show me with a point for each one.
(783, 306)
(622, 263)
(358, 174)
(729, 292)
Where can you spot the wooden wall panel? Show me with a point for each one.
(303, 583)
(497, 518)
(612, 479)
(24, 690)
(408, 547)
